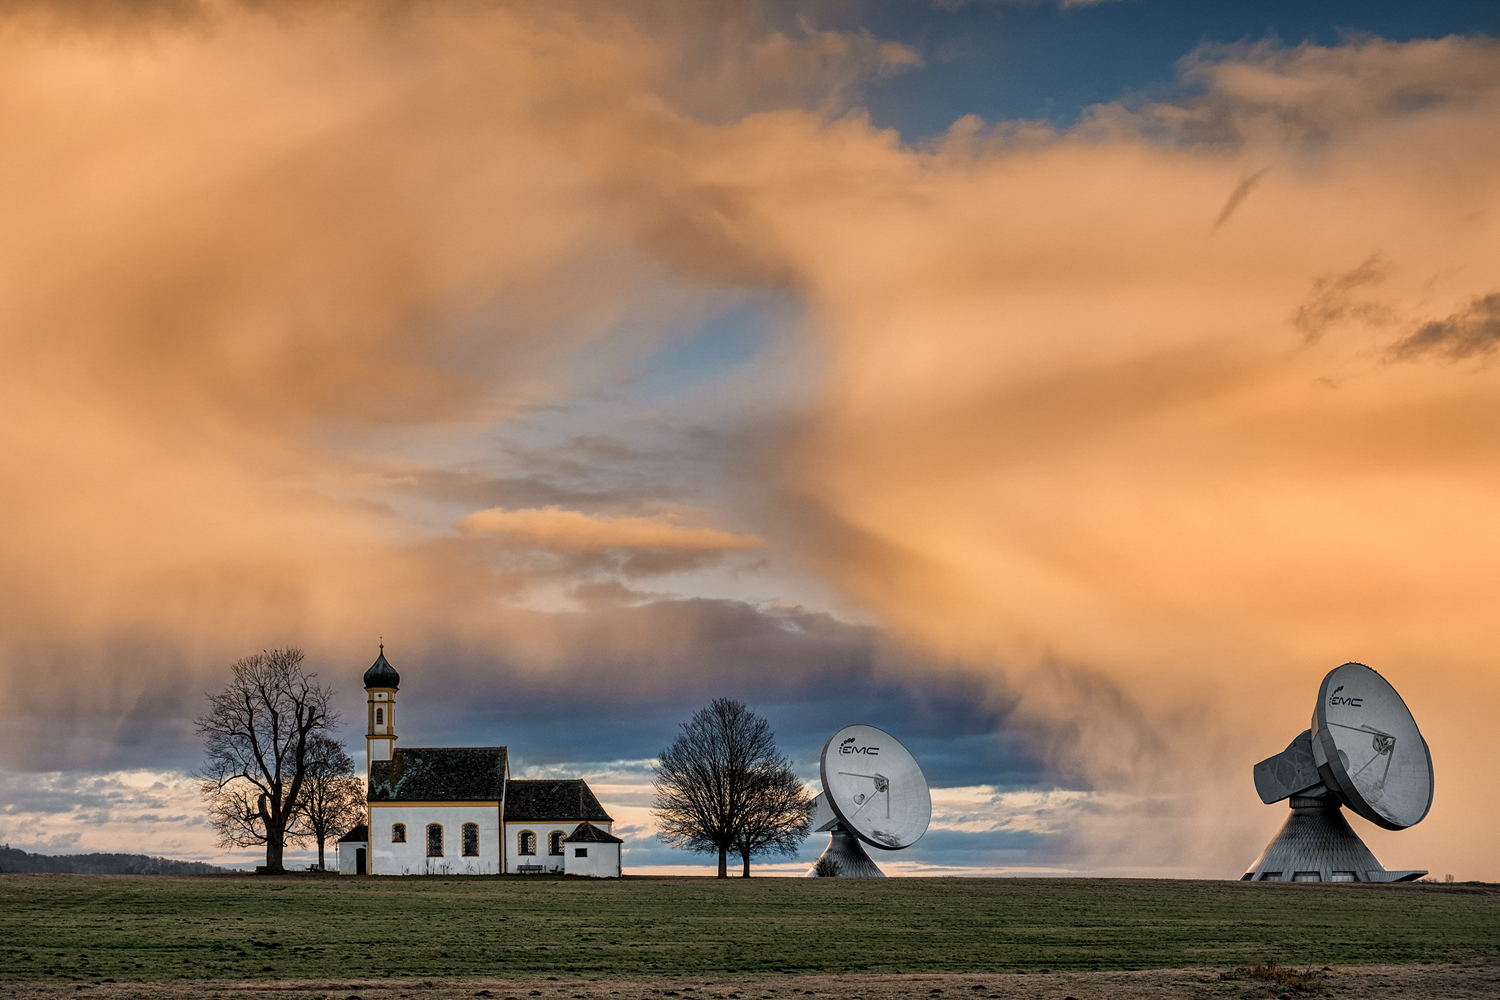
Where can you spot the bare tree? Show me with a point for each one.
(775, 821)
(333, 798)
(256, 734)
(713, 781)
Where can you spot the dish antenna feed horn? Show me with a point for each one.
(873, 793)
(1363, 751)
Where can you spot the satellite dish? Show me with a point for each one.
(1368, 749)
(1363, 751)
(873, 792)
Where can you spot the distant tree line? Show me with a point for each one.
(14, 859)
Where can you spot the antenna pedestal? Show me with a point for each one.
(1316, 844)
(848, 856)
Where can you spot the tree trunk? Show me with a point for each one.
(320, 853)
(723, 862)
(275, 843)
(746, 856)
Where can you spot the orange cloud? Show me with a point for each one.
(640, 545)
(570, 531)
(250, 254)
(1068, 422)
(1155, 419)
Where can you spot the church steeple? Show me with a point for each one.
(381, 682)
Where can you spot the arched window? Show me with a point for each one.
(434, 840)
(555, 842)
(471, 840)
(398, 833)
(526, 843)
(380, 717)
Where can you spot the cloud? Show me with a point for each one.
(1145, 475)
(983, 809)
(1240, 192)
(652, 543)
(1266, 94)
(260, 261)
(152, 812)
(1336, 299)
(1473, 330)
(1140, 480)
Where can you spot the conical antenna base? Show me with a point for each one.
(1316, 844)
(845, 857)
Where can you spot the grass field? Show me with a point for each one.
(158, 928)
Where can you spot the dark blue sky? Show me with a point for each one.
(1004, 60)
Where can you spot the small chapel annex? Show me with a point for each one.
(457, 811)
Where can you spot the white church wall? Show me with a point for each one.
(410, 858)
(348, 856)
(514, 859)
(596, 861)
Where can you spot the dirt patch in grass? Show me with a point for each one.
(1301, 980)
(1460, 981)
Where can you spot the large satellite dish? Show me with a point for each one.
(1368, 750)
(873, 792)
(1363, 751)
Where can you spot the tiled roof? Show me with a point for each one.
(532, 801)
(359, 835)
(446, 774)
(588, 833)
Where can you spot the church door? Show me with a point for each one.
(359, 861)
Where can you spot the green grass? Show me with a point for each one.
(157, 928)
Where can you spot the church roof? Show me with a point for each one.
(381, 674)
(442, 774)
(359, 835)
(588, 833)
(531, 801)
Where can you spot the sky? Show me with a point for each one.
(1064, 388)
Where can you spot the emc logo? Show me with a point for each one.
(1334, 699)
(847, 747)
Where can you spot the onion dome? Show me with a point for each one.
(381, 674)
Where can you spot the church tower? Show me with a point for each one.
(381, 681)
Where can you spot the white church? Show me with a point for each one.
(457, 811)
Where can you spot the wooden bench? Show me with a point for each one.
(530, 869)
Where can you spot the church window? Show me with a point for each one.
(398, 833)
(526, 843)
(580, 852)
(380, 717)
(554, 842)
(434, 840)
(471, 840)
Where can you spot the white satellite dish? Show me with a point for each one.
(1368, 749)
(873, 791)
(1363, 751)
